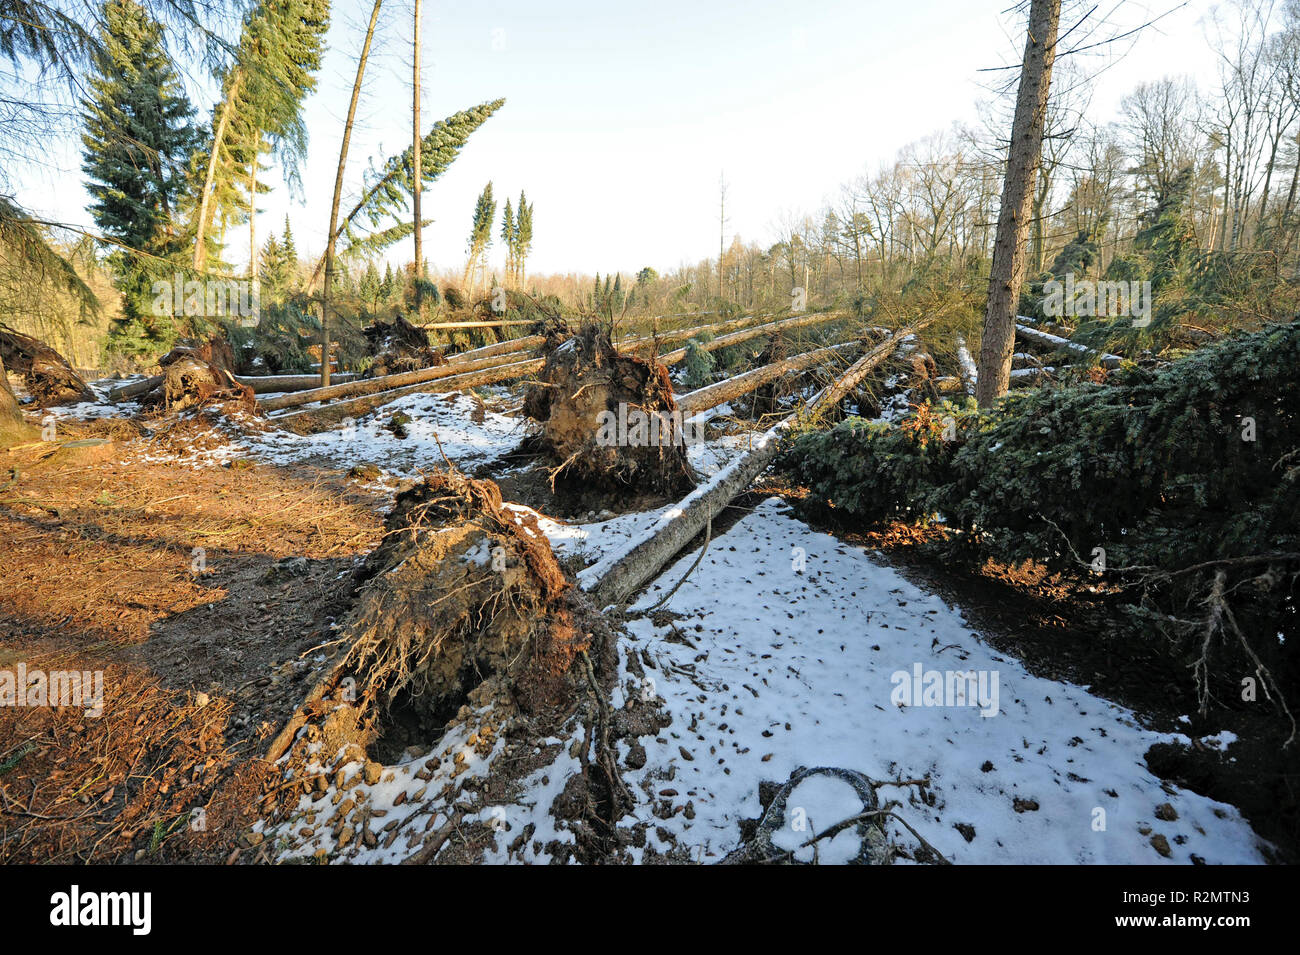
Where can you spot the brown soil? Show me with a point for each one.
(201, 658)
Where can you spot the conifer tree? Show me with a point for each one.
(480, 236)
(509, 235)
(136, 147)
(523, 237)
(262, 94)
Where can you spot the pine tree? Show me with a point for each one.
(371, 286)
(523, 237)
(136, 147)
(262, 93)
(480, 236)
(510, 236)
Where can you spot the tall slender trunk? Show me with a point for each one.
(205, 204)
(417, 165)
(1007, 273)
(252, 211)
(338, 194)
(11, 416)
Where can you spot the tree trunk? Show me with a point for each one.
(722, 341)
(1023, 158)
(318, 419)
(366, 386)
(710, 396)
(417, 166)
(205, 204)
(252, 215)
(12, 425)
(332, 236)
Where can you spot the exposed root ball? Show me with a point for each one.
(398, 347)
(214, 351)
(609, 418)
(191, 383)
(46, 374)
(463, 601)
(195, 374)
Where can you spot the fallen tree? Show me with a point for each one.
(1178, 487)
(397, 347)
(770, 328)
(274, 384)
(618, 575)
(46, 374)
(368, 386)
(318, 419)
(463, 602)
(710, 396)
(609, 418)
(1057, 343)
(196, 374)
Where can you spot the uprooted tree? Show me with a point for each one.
(48, 377)
(463, 602)
(608, 418)
(198, 373)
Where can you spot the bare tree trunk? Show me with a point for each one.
(252, 214)
(1023, 158)
(710, 396)
(418, 186)
(11, 416)
(205, 204)
(319, 419)
(338, 194)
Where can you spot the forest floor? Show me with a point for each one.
(201, 568)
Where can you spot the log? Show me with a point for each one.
(499, 348)
(710, 396)
(735, 338)
(143, 386)
(504, 323)
(1056, 342)
(618, 575)
(268, 384)
(318, 419)
(966, 366)
(367, 386)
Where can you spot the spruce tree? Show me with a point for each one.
(523, 237)
(136, 148)
(262, 93)
(480, 236)
(509, 235)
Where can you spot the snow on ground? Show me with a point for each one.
(101, 407)
(385, 817)
(799, 649)
(449, 419)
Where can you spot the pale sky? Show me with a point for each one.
(619, 117)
